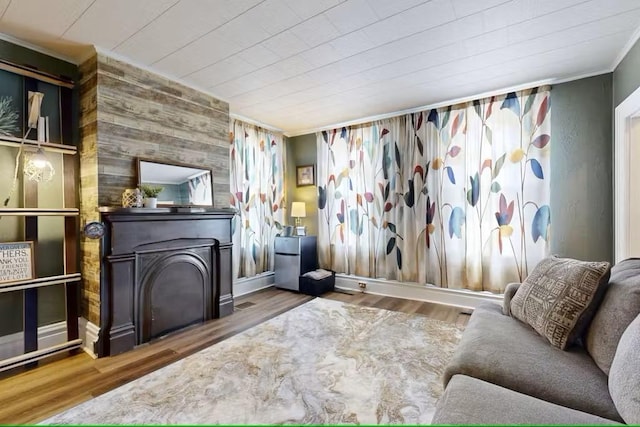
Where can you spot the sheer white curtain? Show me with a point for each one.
(257, 193)
(457, 197)
(200, 190)
(351, 219)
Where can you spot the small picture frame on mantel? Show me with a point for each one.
(305, 175)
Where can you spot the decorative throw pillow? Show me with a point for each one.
(559, 297)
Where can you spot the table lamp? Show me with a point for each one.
(298, 210)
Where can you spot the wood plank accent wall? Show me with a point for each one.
(127, 112)
(141, 114)
(88, 152)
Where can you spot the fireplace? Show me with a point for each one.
(162, 270)
(173, 285)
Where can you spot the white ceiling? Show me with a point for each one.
(299, 65)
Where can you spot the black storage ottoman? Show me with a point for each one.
(317, 287)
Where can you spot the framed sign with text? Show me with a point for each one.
(16, 261)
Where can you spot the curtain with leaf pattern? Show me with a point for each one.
(257, 193)
(457, 197)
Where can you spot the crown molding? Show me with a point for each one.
(113, 55)
(256, 123)
(550, 81)
(89, 54)
(97, 49)
(39, 49)
(626, 48)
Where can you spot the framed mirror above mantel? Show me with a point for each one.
(182, 184)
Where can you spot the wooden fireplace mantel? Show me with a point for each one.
(180, 254)
(166, 210)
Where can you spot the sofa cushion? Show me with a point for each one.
(624, 377)
(472, 401)
(621, 304)
(559, 297)
(503, 351)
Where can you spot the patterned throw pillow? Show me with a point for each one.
(559, 298)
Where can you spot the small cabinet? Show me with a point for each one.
(294, 256)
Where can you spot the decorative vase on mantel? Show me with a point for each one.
(131, 198)
(151, 202)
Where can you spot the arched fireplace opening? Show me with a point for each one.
(173, 289)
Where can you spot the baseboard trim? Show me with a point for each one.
(406, 290)
(249, 285)
(12, 345)
(89, 334)
(415, 291)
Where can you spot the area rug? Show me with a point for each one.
(324, 362)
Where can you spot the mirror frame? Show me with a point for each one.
(184, 165)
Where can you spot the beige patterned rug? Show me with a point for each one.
(322, 362)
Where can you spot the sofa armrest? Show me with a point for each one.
(509, 292)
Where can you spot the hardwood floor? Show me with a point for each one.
(441, 312)
(31, 395)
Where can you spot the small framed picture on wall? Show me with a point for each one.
(305, 175)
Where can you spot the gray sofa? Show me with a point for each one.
(503, 372)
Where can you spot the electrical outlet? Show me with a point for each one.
(362, 285)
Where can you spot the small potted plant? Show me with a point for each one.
(151, 195)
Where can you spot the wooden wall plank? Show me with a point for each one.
(88, 175)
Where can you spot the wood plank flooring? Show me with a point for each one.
(31, 395)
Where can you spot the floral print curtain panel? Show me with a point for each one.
(257, 193)
(457, 197)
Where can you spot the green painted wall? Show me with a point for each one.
(301, 150)
(581, 169)
(581, 175)
(626, 77)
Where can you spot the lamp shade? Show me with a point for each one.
(298, 210)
